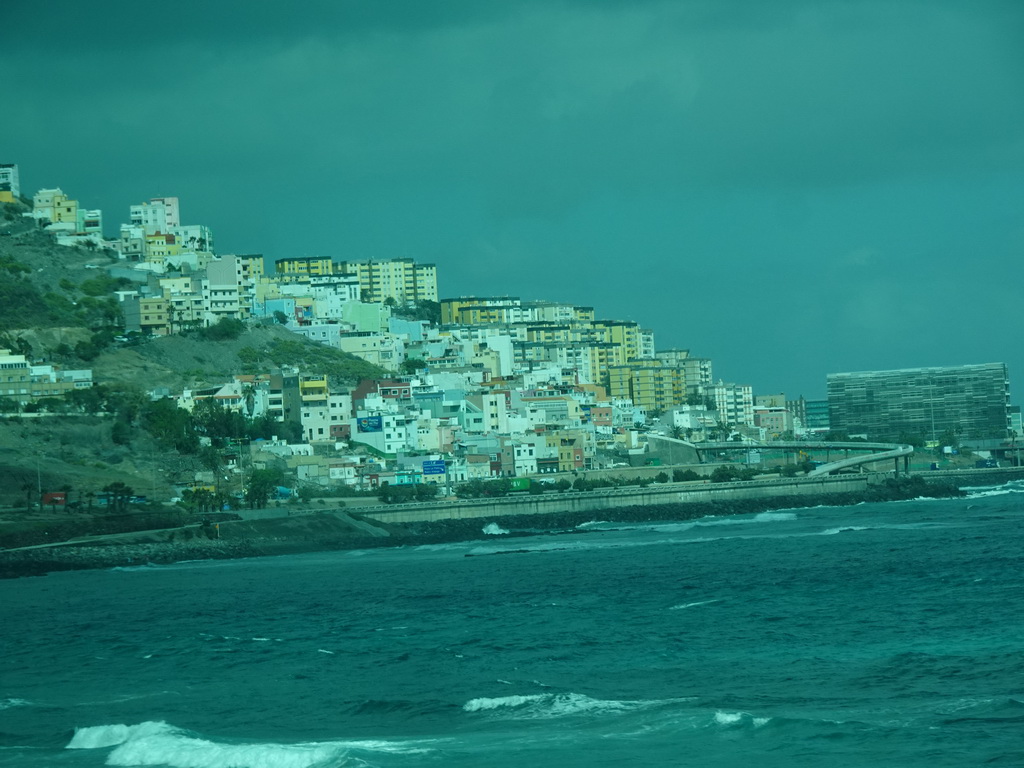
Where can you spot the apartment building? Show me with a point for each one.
(734, 403)
(400, 280)
(10, 186)
(650, 384)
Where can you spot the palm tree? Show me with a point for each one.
(249, 395)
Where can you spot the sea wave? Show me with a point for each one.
(844, 529)
(981, 491)
(160, 744)
(687, 525)
(493, 529)
(552, 705)
(694, 605)
(773, 517)
(981, 494)
(739, 719)
(12, 703)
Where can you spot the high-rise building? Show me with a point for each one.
(734, 403)
(650, 384)
(402, 280)
(972, 401)
(305, 267)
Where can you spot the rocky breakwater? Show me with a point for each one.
(220, 541)
(37, 561)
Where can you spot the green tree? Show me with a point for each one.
(581, 484)
(724, 473)
(220, 424)
(425, 491)
(170, 425)
(412, 365)
(684, 475)
(261, 486)
(199, 500)
(121, 431)
(119, 495)
(89, 400)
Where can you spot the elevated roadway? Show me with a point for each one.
(874, 452)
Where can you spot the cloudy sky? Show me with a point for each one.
(790, 188)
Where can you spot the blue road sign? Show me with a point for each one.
(433, 467)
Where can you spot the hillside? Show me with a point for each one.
(56, 306)
(190, 361)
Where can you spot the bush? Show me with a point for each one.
(225, 329)
(684, 476)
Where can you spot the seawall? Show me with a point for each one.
(697, 492)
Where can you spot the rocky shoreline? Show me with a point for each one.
(294, 536)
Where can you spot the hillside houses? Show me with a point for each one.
(493, 386)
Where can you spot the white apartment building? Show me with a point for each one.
(734, 403)
(384, 432)
(160, 214)
(10, 186)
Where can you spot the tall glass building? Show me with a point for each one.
(973, 401)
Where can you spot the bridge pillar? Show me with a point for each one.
(896, 461)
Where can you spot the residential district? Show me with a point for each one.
(471, 388)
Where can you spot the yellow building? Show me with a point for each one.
(402, 280)
(305, 267)
(624, 333)
(575, 452)
(312, 388)
(509, 310)
(649, 384)
(159, 246)
(55, 206)
(153, 316)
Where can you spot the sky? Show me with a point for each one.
(790, 188)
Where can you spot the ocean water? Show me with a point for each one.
(876, 635)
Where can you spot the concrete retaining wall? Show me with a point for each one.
(595, 501)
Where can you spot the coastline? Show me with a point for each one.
(335, 530)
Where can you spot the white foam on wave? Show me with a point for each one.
(843, 529)
(493, 529)
(683, 526)
(739, 718)
(482, 704)
(981, 491)
(449, 547)
(694, 605)
(551, 705)
(774, 517)
(161, 744)
(761, 517)
(133, 568)
(12, 703)
(993, 492)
